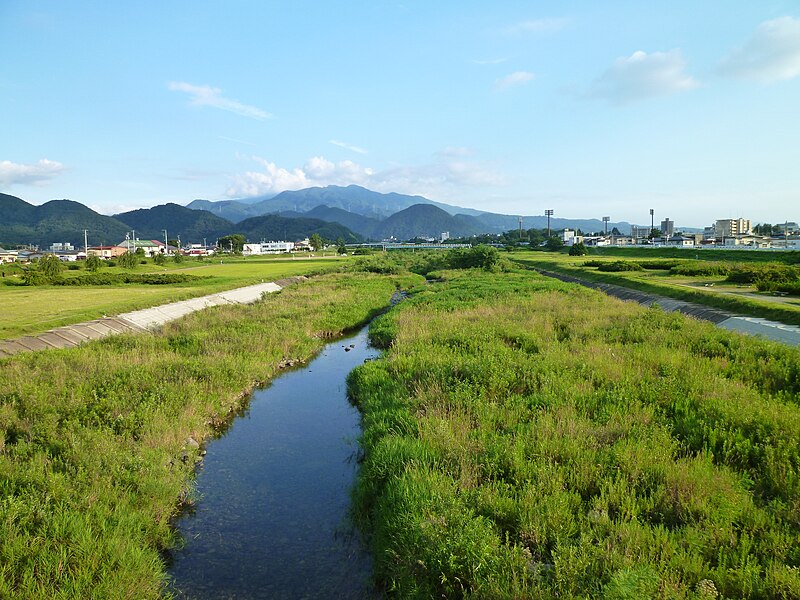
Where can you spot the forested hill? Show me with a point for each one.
(190, 225)
(55, 221)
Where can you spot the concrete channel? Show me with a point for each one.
(779, 332)
(138, 321)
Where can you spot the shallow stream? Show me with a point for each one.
(272, 516)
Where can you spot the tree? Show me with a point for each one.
(232, 243)
(50, 266)
(316, 242)
(554, 244)
(93, 263)
(341, 248)
(578, 249)
(159, 259)
(129, 260)
(177, 258)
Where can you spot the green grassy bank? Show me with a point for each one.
(33, 309)
(526, 438)
(94, 459)
(709, 289)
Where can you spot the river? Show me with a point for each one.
(272, 516)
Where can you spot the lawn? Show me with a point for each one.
(33, 309)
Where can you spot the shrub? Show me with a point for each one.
(140, 278)
(701, 269)
(619, 265)
(578, 249)
(129, 260)
(93, 263)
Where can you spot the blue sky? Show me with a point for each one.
(588, 108)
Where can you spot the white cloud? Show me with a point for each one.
(538, 26)
(513, 80)
(771, 54)
(643, 75)
(450, 173)
(35, 174)
(204, 95)
(347, 146)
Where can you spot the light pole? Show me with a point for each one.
(605, 224)
(652, 212)
(549, 213)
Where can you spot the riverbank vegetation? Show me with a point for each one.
(34, 309)
(757, 288)
(98, 443)
(529, 438)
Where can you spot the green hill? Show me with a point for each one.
(191, 225)
(425, 220)
(274, 227)
(55, 221)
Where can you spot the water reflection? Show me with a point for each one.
(271, 521)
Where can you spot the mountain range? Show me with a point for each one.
(352, 213)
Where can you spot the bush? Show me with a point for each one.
(129, 260)
(93, 263)
(578, 249)
(658, 265)
(117, 278)
(73, 267)
(619, 265)
(766, 273)
(701, 269)
(594, 263)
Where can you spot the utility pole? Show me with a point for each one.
(652, 212)
(86, 242)
(166, 242)
(520, 229)
(549, 213)
(605, 224)
(133, 231)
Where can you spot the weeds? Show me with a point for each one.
(527, 438)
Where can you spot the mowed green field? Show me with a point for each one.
(32, 309)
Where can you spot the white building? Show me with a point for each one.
(267, 248)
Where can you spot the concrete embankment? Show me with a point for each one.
(138, 321)
(779, 332)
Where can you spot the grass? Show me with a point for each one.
(94, 461)
(34, 309)
(710, 289)
(526, 438)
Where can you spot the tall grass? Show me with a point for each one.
(94, 461)
(528, 438)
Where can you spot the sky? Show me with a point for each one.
(588, 108)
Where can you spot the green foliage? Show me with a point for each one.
(617, 266)
(527, 438)
(129, 260)
(92, 438)
(477, 257)
(316, 242)
(139, 278)
(554, 243)
(341, 248)
(93, 263)
(177, 258)
(50, 266)
(230, 243)
(160, 259)
(578, 249)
